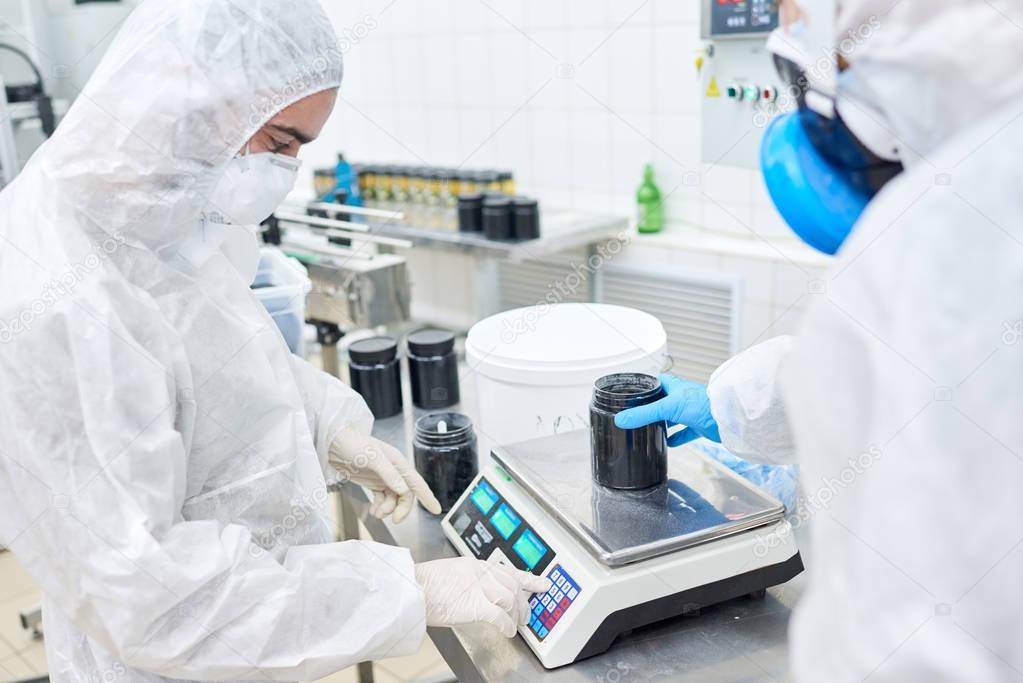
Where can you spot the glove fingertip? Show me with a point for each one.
(536, 584)
(431, 504)
(628, 419)
(670, 380)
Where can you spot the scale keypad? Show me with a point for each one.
(549, 607)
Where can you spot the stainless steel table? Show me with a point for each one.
(561, 230)
(742, 640)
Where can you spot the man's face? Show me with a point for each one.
(297, 125)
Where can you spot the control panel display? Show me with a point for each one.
(484, 496)
(549, 607)
(530, 549)
(505, 521)
(739, 17)
(487, 523)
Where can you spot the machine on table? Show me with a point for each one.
(354, 286)
(619, 560)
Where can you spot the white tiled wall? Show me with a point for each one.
(574, 97)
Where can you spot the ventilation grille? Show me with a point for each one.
(563, 278)
(698, 313)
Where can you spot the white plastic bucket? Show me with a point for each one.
(281, 285)
(534, 367)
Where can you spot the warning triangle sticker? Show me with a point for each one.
(712, 89)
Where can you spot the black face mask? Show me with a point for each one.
(832, 138)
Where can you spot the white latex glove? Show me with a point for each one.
(383, 470)
(465, 591)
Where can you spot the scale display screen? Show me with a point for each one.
(487, 523)
(505, 521)
(484, 496)
(529, 548)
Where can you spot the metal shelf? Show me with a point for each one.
(560, 230)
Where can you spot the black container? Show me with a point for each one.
(626, 458)
(526, 218)
(433, 369)
(497, 218)
(376, 374)
(446, 459)
(470, 212)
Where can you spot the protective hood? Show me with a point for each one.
(181, 89)
(935, 69)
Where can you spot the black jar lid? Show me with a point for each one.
(430, 342)
(470, 199)
(496, 201)
(505, 175)
(525, 203)
(373, 350)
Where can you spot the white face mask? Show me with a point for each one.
(241, 247)
(252, 188)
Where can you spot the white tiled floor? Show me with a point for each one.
(22, 657)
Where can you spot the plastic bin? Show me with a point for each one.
(281, 285)
(534, 367)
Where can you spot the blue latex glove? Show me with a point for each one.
(686, 404)
(781, 481)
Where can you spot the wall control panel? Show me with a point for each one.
(738, 85)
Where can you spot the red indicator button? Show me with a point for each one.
(549, 621)
(564, 603)
(557, 613)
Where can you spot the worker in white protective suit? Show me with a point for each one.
(900, 396)
(162, 455)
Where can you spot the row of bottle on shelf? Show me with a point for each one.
(435, 197)
(368, 184)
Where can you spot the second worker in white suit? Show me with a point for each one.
(899, 397)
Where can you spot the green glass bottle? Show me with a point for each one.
(648, 200)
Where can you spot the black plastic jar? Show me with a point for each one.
(446, 455)
(470, 212)
(626, 458)
(376, 374)
(433, 369)
(497, 218)
(526, 218)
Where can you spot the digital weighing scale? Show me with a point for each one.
(618, 560)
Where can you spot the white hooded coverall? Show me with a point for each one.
(161, 452)
(900, 396)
